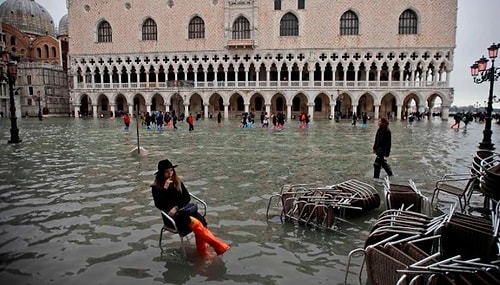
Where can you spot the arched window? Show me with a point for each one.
(46, 49)
(104, 33)
(241, 29)
(349, 24)
(54, 53)
(149, 30)
(408, 23)
(289, 25)
(196, 28)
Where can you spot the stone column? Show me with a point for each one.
(205, 110)
(113, 108)
(332, 109)
(445, 112)
(268, 109)
(399, 111)
(310, 111)
(186, 108)
(421, 108)
(131, 109)
(246, 77)
(247, 105)
(77, 110)
(94, 111)
(288, 112)
(75, 81)
(377, 112)
(226, 111)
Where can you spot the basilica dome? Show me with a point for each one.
(63, 26)
(27, 16)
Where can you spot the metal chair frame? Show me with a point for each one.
(448, 184)
(172, 228)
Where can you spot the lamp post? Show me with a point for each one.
(11, 77)
(482, 74)
(39, 99)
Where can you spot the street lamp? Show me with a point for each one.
(11, 78)
(40, 117)
(482, 74)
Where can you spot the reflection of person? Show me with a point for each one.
(170, 195)
(382, 148)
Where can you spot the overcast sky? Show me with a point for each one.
(477, 28)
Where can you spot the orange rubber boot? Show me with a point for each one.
(203, 234)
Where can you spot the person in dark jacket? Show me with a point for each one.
(382, 148)
(171, 196)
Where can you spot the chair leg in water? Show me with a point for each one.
(205, 235)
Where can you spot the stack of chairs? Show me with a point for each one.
(406, 247)
(408, 196)
(324, 206)
(490, 176)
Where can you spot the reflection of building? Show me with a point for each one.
(29, 35)
(277, 56)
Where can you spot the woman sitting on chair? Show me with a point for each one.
(171, 196)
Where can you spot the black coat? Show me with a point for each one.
(166, 199)
(382, 145)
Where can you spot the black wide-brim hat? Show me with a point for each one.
(164, 164)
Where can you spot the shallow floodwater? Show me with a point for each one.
(76, 207)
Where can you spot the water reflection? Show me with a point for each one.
(76, 206)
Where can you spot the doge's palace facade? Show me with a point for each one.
(321, 57)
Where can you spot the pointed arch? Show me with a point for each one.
(196, 29)
(349, 24)
(408, 23)
(289, 25)
(104, 32)
(149, 30)
(241, 29)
